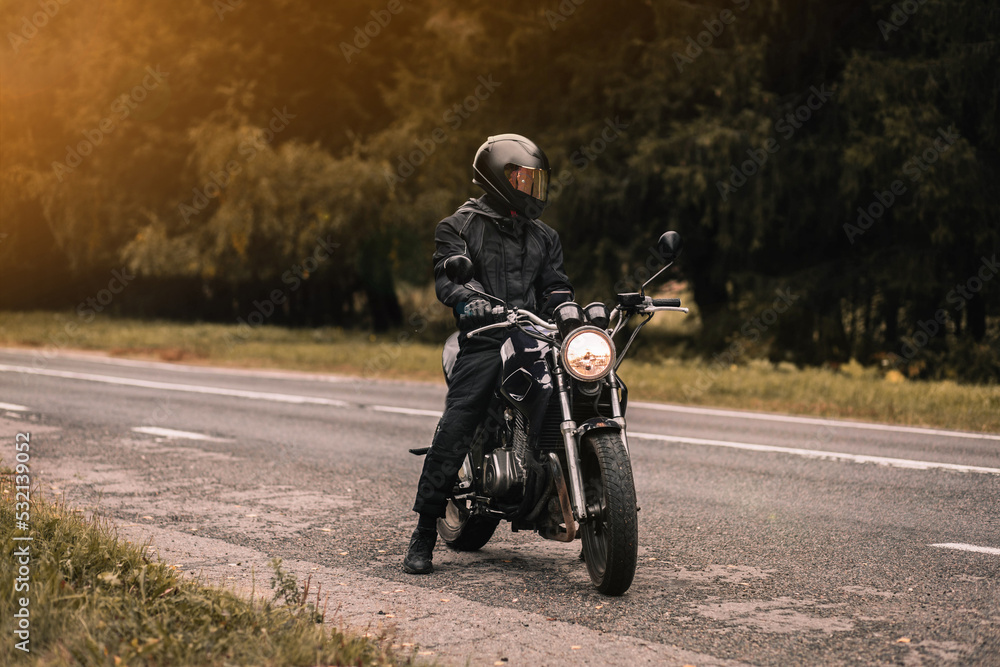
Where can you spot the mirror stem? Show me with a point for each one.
(642, 290)
(488, 297)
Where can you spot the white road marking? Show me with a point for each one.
(171, 433)
(406, 411)
(297, 399)
(818, 454)
(170, 386)
(661, 407)
(12, 407)
(203, 370)
(969, 547)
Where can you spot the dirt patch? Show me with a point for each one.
(783, 615)
(477, 634)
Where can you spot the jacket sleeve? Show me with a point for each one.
(448, 242)
(553, 284)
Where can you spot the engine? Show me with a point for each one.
(504, 467)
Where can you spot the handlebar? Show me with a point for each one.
(512, 317)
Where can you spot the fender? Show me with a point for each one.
(597, 424)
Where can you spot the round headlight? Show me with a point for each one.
(588, 354)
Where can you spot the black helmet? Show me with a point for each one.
(515, 171)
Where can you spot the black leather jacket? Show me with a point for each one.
(515, 259)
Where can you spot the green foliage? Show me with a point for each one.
(379, 146)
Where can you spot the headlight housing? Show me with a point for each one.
(588, 354)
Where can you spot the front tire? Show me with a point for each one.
(463, 531)
(611, 532)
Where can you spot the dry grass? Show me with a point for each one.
(98, 600)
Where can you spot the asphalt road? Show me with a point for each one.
(763, 539)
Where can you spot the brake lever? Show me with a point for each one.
(488, 327)
(509, 320)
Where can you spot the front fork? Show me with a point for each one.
(616, 409)
(568, 428)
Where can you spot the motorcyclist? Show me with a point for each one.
(516, 258)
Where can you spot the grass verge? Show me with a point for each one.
(851, 392)
(97, 600)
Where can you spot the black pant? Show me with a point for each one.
(472, 384)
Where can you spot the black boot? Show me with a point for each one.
(418, 556)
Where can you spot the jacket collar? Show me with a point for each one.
(482, 206)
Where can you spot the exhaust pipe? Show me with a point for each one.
(567, 534)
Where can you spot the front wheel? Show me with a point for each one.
(611, 532)
(463, 531)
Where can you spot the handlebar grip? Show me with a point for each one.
(667, 303)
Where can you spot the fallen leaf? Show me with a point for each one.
(445, 600)
(600, 606)
(425, 653)
(903, 640)
(148, 517)
(575, 648)
(343, 553)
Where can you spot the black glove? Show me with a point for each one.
(477, 313)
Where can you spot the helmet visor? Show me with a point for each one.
(530, 181)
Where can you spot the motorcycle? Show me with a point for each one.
(552, 455)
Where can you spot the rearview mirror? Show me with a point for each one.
(670, 245)
(458, 268)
